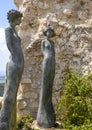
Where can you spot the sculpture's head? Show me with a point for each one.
(14, 17)
(49, 32)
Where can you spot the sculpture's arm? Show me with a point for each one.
(9, 39)
(43, 46)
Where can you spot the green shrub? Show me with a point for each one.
(24, 122)
(74, 108)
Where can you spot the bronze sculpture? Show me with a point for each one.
(14, 72)
(46, 115)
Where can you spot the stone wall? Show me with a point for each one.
(71, 20)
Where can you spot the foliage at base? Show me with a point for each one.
(74, 108)
(24, 122)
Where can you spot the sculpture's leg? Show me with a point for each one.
(46, 115)
(4, 126)
(8, 111)
(13, 118)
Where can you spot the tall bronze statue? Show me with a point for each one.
(14, 72)
(46, 115)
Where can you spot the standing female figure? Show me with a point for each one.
(46, 115)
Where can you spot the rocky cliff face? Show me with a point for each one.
(72, 22)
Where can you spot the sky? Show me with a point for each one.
(5, 6)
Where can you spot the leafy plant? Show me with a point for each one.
(74, 107)
(24, 122)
